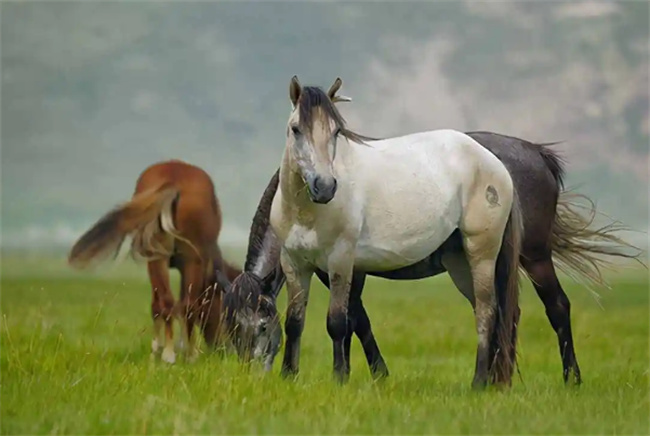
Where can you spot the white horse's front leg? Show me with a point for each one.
(298, 276)
(341, 267)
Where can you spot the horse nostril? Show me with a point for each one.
(318, 184)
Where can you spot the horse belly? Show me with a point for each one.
(398, 249)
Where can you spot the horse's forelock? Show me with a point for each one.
(245, 291)
(313, 97)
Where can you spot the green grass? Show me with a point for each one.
(75, 359)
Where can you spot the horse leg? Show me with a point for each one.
(298, 280)
(460, 273)
(459, 270)
(340, 271)
(558, 311)
(162, 309)
(210, 322)
(192, 289)
(361, 326)
(363, 330)
(481, 254)
(466, 275)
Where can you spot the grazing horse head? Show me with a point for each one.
(250, 315)
(312, 131)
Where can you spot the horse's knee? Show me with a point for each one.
(166, 308)
(337, 324)
(293, 326)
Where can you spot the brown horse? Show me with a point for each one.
(174, 219)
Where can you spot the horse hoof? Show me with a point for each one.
(169, 356)
(573, 380)
(154, 346)
(192, 357)
(479, 385)
(288, 374)
(341, 378)
(379, 371)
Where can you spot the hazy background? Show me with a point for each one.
(93, 93)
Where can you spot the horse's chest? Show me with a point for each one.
(304, 242)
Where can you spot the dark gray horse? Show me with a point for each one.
(553, 227)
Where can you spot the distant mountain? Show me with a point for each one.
(92, 93)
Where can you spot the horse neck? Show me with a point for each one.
(220, 263)
(292, 186)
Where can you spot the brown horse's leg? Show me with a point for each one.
(210, 322)
(558, 311)
(162, 308)
(192, 290)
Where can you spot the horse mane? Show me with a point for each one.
(312, 97)
(261, 222)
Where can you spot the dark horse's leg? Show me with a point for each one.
(361, 326)
(558, 311)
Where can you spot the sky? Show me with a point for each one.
(93, 93)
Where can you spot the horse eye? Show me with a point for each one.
(337, 132)
(295, 130)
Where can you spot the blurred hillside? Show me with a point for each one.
(93, 93)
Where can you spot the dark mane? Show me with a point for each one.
(312, 97)
(247, 291)
(261, 222)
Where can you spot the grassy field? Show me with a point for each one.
(75, 359)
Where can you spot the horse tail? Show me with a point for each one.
(504, 339)
(147, 217)
(577, 246)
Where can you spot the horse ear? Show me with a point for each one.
(294, 90)
(341, 98)
(272, 283)
(334, 88)
(222, 280)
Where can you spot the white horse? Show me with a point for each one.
(384, 205)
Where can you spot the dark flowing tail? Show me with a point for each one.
(578, 247)
(504, 339)
(146, 217)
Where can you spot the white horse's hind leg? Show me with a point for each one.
(483, 227)
(456, 264)
(485, 312)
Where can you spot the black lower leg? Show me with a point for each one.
(558, 311)
(360, 323)
(337, 326)
(293, 328)
(363, 330)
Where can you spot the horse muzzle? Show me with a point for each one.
(321, 189)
